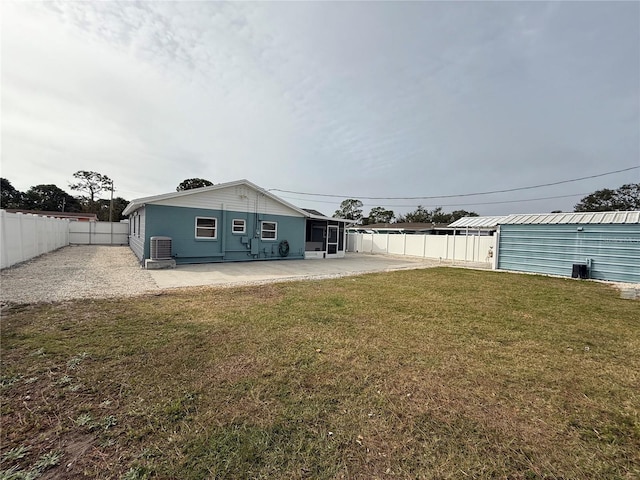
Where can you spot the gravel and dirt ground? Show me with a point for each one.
(93, 271)
(83, 271)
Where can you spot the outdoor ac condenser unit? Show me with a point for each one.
(160, 248)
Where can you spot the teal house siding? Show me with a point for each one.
(179, 223)
(612, 251)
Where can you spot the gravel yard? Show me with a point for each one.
(83, 271)
(95, 271)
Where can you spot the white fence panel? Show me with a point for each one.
(98, 233)
(464, 248)
(396, 244)
(379, 244)
(25, 236)
(414, 245)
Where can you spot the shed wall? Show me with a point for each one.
(612, 249)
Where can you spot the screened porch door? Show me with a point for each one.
(332, 241)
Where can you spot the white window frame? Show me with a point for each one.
(274, 230)
(214, 228)
(244, 226)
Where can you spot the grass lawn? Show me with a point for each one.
(436, 374)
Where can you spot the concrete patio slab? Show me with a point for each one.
(282, 270)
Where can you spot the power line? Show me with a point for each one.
(456, 204)
(460, 194)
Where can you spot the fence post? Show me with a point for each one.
(5, 248)
(453, 258)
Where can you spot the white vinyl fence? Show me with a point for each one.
(25, 236)
(455, 248)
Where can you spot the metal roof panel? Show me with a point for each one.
(573, 218)
(477, 222)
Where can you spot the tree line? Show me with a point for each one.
(91, 185)
(625, 198)
(51, 198)
(351, 209)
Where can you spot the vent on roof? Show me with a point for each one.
(160, 248)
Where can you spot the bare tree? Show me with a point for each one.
(91, 183)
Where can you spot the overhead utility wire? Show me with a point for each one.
(458, 195)
(456, 204)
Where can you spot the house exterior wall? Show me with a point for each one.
(613, 250)
(137, 233)
(178, 222)
(238, 198)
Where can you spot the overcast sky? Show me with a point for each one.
(357, 99)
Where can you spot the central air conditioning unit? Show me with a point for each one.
(160, 248)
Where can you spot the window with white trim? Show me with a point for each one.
(268, 230)
(239, 225)
(207, 227)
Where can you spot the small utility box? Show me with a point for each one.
(580, 270)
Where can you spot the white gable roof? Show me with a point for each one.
(232, 192)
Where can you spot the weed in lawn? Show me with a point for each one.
(74, 362)
(47, 461)
(84, 419)
(137, 473)
(15, 453)
(16, 473)
(8, 381)
(180, 408)
(65, 380)
(108, 422)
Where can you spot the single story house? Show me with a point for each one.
(230, 222)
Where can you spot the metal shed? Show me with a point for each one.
(606, 243)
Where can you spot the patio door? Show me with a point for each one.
(332, 241)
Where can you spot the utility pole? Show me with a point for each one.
(111, 204)
(111, 215)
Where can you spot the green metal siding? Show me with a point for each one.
(179, 224)
(613, 250)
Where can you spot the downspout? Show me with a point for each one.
(496, 249)
(223, 243)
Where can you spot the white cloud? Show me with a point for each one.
(358, 98)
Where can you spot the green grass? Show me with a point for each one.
(439, 373)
